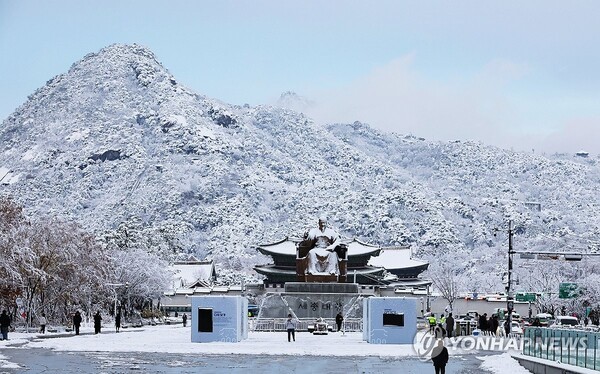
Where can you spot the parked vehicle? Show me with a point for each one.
(516, 328)
(545, 319)
(566, 321)
(173, 320)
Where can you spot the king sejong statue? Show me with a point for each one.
(322, 257)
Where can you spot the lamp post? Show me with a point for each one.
(509, 292)
(428, 304)
(115, 286)
(128, 299)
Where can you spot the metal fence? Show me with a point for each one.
(568, 346)
(278, 324)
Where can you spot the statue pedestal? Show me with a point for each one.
(309, 301)
(321, 288)
(321, 278)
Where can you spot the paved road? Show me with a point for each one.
(47, 361)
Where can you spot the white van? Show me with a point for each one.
(544, 318)
(566, 321)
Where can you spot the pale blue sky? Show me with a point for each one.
(520, 74)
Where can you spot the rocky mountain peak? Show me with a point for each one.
(118, 145)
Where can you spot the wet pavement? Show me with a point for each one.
(38, 360)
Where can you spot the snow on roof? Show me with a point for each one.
(395, 258)
(187, 273)
(288, 246)
(202, 290)
(220, 289)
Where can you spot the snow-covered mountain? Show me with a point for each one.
(120, 146)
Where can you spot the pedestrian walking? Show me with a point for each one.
(493, 326)
(77, 322)
(118, 321)
(439, 332)
(432, 322)
(97, 322)
(184, 319)
(290, 326)
(338, 321)
(450, 325)
(42, 322)
(483, 323)
(439, 356)
(4, 324)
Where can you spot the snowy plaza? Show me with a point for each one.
(171, 347)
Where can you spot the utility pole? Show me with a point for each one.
(510, 295)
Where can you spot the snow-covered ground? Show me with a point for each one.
(177, 340)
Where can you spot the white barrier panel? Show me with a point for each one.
(389, 320)
(219, 319)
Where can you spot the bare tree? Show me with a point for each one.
(448, 282)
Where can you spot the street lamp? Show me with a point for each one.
(428, 309)
(115, 286)
(510, 300)
(128, 300)
(510, 296)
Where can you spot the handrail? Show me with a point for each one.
(302, 324)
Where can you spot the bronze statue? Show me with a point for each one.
(321, 246)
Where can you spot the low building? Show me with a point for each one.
(190, 277)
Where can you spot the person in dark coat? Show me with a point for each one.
(439, 356)
(4, 325)
(449, 325)
(77, 322)
(439, 332)
(494, 325)
(97, 322)
(338, 320)
(118, 321)
(483, 323)
(184, 319)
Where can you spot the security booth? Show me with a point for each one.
(389, 320)
(219, 318)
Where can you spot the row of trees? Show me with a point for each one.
(451, 280)
(56, 267)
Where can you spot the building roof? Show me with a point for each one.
(190, 274)
(287, 247)
(395, 258)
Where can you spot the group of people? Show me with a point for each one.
(5, 323)
(490, 326)
(291, 324)
(441, 327)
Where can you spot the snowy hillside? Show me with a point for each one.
(120, 146)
